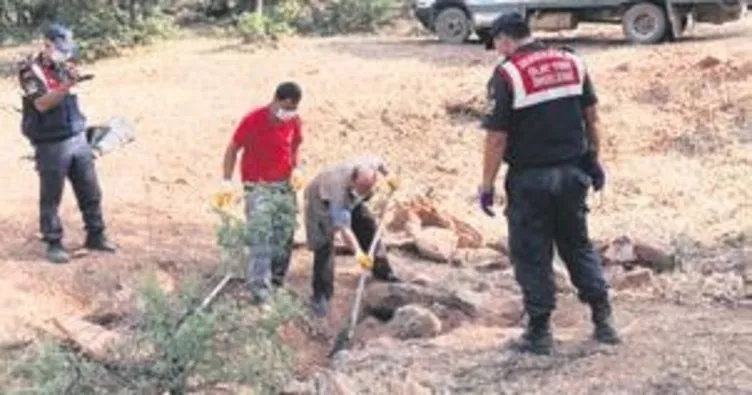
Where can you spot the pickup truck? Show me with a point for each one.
(643, 21)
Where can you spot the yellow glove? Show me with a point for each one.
(393, 183)
(365, 261)
(296, 180)
(225, 196)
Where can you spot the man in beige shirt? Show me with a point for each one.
(334, 203)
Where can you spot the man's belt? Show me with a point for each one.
(251, 185)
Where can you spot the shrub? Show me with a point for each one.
(102, 27)
(298, 16)
(356, 16)
(174, 349)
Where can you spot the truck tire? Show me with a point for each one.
(453, 25)
(645, 23)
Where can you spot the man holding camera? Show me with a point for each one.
(55, 126)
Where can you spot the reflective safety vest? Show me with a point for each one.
(540, 76)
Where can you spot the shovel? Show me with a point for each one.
(345, 335)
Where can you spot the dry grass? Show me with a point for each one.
(678, 145)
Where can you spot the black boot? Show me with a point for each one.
(56, 253)
(603, 321)
(537, 338)
(99, 242)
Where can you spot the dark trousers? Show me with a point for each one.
(364, 227)
(71, 159)
(547, 206)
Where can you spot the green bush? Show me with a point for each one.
(252, 26)
(102, 36)
(176, 349)
(105, 27)
(102, 27)
(224, 346)
(299, 16)
(283, 19)
(356, 16)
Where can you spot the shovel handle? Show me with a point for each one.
(362, 280)
(380, 229)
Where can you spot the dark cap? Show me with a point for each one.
(61, 37)
(510, 24)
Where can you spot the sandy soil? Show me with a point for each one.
(677, 122)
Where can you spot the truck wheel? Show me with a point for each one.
(645, 23)
(452, 25)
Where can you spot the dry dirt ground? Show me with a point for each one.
(677, 121)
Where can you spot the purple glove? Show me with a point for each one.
(590, 164)
(486, 201)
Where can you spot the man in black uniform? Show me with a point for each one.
(55, 125)
(543, 124)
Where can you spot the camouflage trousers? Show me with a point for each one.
(271, 212)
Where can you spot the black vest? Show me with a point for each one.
(547, 118)
(59, 123)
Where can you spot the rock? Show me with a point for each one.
(723, 286)
(469, 237)
(485, 258)
(95, 341)
(422, 212)
(628, 252)
(401, 241)
(654, 258)
(633, 279)
(404, 219)
(436, 244)
(421, 279)
(619, 251)
(413, 321)
(498, 245)
(383, 299)
(429, 215)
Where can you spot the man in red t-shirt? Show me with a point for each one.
(269, 137)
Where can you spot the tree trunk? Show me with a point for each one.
(244, 6)
(132, 13)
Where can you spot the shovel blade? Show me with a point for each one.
(341, 342)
